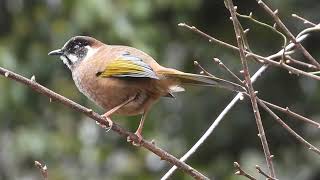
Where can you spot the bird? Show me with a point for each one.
(124, 80)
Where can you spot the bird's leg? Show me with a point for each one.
(139, 130)
(111, 111)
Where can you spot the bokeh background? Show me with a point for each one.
(74, 147)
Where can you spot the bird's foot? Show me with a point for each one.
(107, 128)
(139, 139)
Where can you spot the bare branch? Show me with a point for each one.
(285, 110)
(220, 63)
(286, 127)
(241, 172)
(211, 39)
(95, 116)
(272, 28)
(291, 60)
(305, 21)
(291, 69)
(246, 73)
(203, 70)
(274, 15)
(309, 30)
(261, 59)
(43, 169)
(264, 174)
(293, 114)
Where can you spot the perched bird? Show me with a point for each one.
(124, 80)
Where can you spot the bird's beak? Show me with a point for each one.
(57, 52)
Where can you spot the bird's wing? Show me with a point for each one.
(127, 65)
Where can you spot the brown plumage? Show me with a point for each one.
(124, 80)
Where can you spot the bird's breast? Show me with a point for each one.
(110, 92)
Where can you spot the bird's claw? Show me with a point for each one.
(107, 128)
(133, 142)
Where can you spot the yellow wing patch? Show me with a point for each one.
(128, 66)
(121, 67)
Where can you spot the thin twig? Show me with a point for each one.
(241, 172)
(291, 113)
(272, 28)
(291, 60)
(262, 59)
(227, 45)
(316, 72)
(95, 116)
(264, 173)
(246, 73)
(220, 63)
(43, 169)
(203, 71)
(286, 127)
(274, 15)
(305, 21)
(309, 30)
(217, 121)
(285, 110)
(291, 69)
(211, 39)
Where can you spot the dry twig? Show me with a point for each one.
(43, 169)
(246, 73)
(261, 59)
(274, 15)
(203, 71)
(241, 172)
(287, 128)
(305, 21)
(264, 174)
(291, 69)
(291, 113)
(290, 60)
(285, 110)
(272, 28)
(219, 62)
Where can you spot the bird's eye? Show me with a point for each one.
(76, 46)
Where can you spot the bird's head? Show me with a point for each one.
(77, 49)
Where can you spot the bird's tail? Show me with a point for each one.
(201, 80)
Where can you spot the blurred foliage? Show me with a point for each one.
(73, 147)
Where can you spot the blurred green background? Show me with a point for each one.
(74, 147)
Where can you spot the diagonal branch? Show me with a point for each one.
(257, 57)
(274, 15)
(219, 62)
(291, 60)
(305, 21)
(284, 110)
(43, 169)
(285, 66)
(291, 113)
(241, 172)
(264, 174)
(286, 127)
(96, 117)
